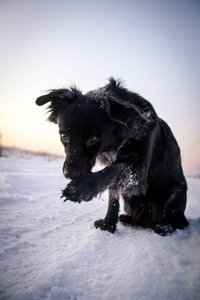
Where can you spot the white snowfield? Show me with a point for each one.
(51, 250)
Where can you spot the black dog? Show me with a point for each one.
(142, 158)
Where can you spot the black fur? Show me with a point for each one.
(141, 156)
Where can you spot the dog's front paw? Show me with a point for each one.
(78, 191)
(126, 220)
(163, 229)
(103, 225)
(70, 193)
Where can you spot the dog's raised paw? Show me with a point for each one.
(103, 225)
(70, 195)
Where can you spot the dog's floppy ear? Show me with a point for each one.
(59, 99)
(119, 111)
(56, 95)
(130, 117)
(44, 99)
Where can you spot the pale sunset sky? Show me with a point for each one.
(153, 45)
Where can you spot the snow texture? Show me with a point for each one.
(51, 250)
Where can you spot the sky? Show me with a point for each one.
(152, 45)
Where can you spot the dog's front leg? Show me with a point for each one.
(110, 221)
(88, 187)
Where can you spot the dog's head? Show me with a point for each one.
(89, 125)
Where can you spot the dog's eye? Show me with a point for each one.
(64, 138)
(92, 140)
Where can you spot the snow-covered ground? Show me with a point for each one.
(51, 250)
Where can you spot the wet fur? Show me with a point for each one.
(141, 156)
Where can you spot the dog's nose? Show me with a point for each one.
(65, 172)
(70, 172)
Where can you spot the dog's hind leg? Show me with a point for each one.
(173, 215)
(110, 221)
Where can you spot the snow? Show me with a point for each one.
(51, 250)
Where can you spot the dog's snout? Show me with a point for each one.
(70, 171)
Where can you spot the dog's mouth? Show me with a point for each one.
(77, 169)
(73, 174)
